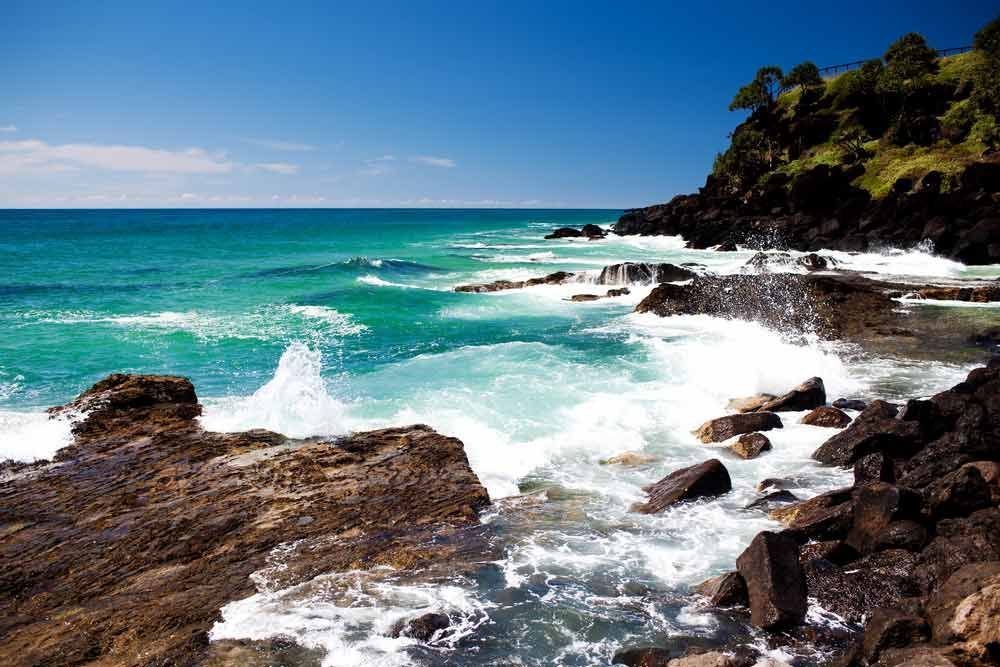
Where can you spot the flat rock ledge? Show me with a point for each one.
(123, 550)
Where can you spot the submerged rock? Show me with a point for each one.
(850, 404)
(774, 498)
(629, 459)
(423, 628)
(698, 481)
(125, 551)
(724, 428)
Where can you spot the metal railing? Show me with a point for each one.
(831, 70)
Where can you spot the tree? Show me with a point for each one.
(987, 40)
(761, 92)
(909, 57)
(805, 75)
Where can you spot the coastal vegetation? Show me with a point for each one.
(903, 115)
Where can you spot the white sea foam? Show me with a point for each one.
(350, 616)
(294, 401)
(29, 436)
(375, 281)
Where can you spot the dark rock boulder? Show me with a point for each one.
(828, 516)
(958, 494)
(876, 429)
(640, 272)
(499, 285)
(725, 590)
(959, 542)
(876, 506)
(750, 445)
(808, 395)
(644, 656)
(826, 417)
(704, 480)
(891, 628)
(724, 428)
(769, 501)
(565, 233)
(593, 231)
(850, 404)
(727, 246)
(775, 581)
(423, 628)
(904, 534)
(874, 467)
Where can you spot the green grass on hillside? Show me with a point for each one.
(891, 163)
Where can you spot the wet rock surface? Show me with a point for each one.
(699, 481)
(641, 272)
(124, 551)
(911, 562)
(724, 428)
(750, 445)
(500, 285)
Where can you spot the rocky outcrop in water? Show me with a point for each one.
(641, 272)
(123, 550)
(911, 555)
(499, 285)
(821, 209)
(589, 232)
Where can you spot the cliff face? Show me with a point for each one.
(124, 550)
(821, 209)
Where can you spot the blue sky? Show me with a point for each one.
(535, 104)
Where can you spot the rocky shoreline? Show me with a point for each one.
(821, 209)
(124, 548)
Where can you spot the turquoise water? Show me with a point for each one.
(325, 321)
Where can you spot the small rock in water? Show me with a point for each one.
(623, 291)
(724, 428)
(750, 445)
(808, 395)
(850, 404)
(728, 246)
(584, 297)
(749, 403)
(827, 417)
(699, 481)
(423, 628)
(776, 483)
(629, 459)
(725, 590)
(775, 498)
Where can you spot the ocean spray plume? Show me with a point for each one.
(294, 401)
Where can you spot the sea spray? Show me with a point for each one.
(294, 401)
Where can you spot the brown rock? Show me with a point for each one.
(827, 417)
(127, 550)
(423, 628)
(749, 403)
(853, 590)
(775, 581)
(500, 285)
(827, 516)
(808, 395)
(876, 506)
(723, 428)
(776, 498)
(629, 459)
(959, 493)
(892, 628)
(699, 481)
(874, 430)
(750, 445)
(725, 590)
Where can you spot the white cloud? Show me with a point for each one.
(8, 128)
(278, 167)
(36, 154)
(433, 161)
(384, 158)
(278, 145)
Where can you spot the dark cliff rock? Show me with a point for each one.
(124, 551)
(641, 272)
(821, 209)
(499, 285)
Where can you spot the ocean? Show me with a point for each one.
(322, 322)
